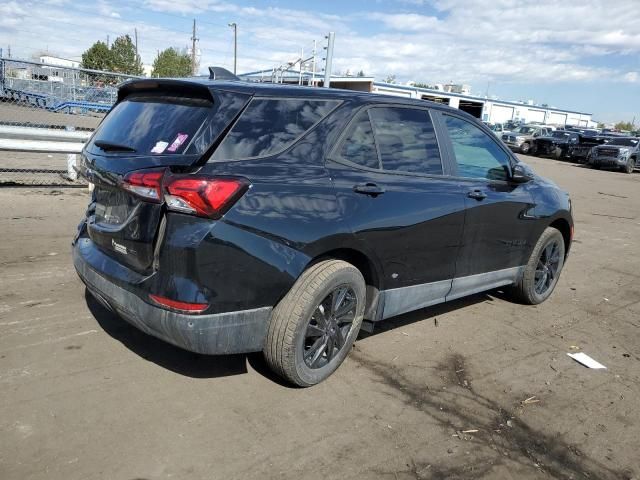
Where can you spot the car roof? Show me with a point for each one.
(283, 90)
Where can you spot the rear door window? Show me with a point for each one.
(270, 125)
(151, 125)
(359, 146)
(406, 140)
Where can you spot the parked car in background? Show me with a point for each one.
(497, 129)
(581, 151)
(556, 144)
(231, 217)
(619, 152)
(521, 139)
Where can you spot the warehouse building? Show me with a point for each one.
(490, 110)
(457, 96)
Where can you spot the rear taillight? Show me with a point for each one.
(200, 195)
(203, 196)
(146, 184)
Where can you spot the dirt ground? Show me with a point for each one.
(479, 388)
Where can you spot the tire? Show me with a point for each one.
(299, 317)
(630, 166)
(595, 166)
(524, 148)
(527, 289)
(557, 154)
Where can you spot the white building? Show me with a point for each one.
(49, 71)
(488, 109)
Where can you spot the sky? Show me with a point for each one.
(582, 56)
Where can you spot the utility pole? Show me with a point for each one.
(313, 67)
(234, 25)
(9, 51)
(193, 49)
(107, 41)
(329, 58)
(135, 36)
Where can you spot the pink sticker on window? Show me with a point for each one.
(180, 139)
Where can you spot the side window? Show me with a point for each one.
(477, 154)
(270, 125)
(406, 140)
(359, 146)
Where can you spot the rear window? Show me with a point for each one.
(152, 124)
(268, 126)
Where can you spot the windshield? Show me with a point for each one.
(526, 130)
(624, 142)
(152, 124)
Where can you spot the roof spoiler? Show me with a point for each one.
(169, 85)
(219, 73)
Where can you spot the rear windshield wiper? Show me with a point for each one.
(112, 147)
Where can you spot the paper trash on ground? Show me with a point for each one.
(586, 360)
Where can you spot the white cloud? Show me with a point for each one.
(467, 42)
(632, 77)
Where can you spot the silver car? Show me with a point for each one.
(521, 139)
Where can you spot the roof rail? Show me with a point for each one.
(219, 73)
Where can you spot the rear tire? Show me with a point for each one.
(312, 329)
(543, 269)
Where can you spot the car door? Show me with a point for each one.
(403, 207)
(498, 227)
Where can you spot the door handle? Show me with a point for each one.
(477, 194)
(369, 189)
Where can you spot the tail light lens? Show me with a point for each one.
(203, 196)
(146, 184)
(195, 194)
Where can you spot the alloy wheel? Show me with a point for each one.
(547, 268)
(329, 327)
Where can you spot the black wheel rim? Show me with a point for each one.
(547, 268)
(329, 327)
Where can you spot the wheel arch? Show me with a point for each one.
(370, 271)
(355, 257)
(566, 229)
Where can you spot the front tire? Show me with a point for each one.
(524, 148)
(313, 327)
(543, 269)
(630, 166)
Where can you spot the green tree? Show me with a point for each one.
(124, 57)
(361, 73)
(98, 57)
(171, 63)
(624, 126)
(390, 79)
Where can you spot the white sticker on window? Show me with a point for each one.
(160, 147)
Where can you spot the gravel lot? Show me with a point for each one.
(438, 393)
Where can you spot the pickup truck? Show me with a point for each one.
(620, 152)
(522, 139)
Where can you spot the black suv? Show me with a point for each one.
(232, 217)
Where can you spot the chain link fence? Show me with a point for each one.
(47, 112)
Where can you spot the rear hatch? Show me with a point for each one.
(158, 126)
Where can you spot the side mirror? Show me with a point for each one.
(519, 174)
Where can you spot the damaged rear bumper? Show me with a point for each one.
(220, 333)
